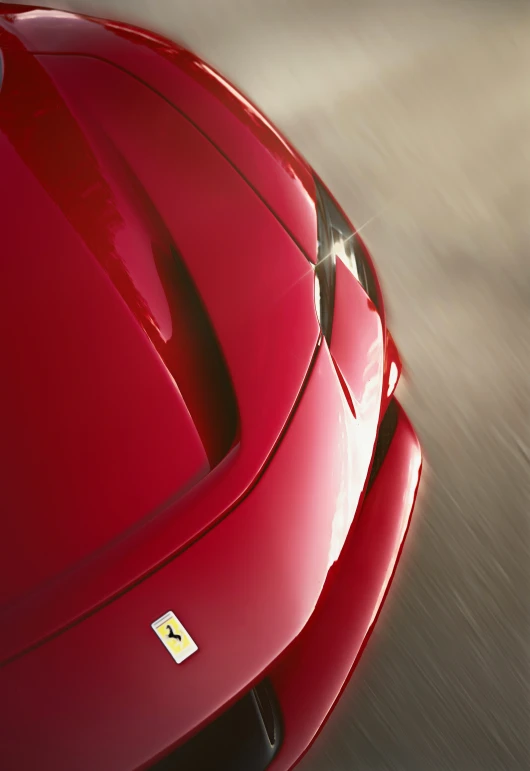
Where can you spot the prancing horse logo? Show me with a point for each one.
(171, 634)
(174, 637)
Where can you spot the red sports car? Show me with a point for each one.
(206, 478)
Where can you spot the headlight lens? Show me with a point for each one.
(324, 273)
(337, 239)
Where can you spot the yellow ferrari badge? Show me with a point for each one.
(174, 636)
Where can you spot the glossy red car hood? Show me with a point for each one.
(158, 294)
(122, 394)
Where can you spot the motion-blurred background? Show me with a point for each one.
(417, 114)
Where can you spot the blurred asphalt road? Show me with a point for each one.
(417, 114)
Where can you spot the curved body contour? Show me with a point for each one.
(178, 433)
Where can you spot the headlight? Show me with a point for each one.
(336, 239)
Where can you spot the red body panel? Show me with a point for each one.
(251, 143)
(241, 626)
(235, 262)
(78, 373)
(206, 455)
(307, 689)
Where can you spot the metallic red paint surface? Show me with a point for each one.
(246, 589)
(118, 171)
(251, 143)
(254, 281)
(308, 684)
(77, 373)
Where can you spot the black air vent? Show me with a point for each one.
(194, 358)
(244, 738)
(268, 709)
(385, 435)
